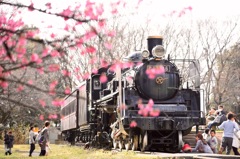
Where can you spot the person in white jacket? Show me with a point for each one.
(235, 143)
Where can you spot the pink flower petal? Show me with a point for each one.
(66, 73)
(154, 113)
(67, 90)
(42, 102)
(48, 5)
(41, 117)
(58, 102)
(53, 68)
(30, 82)
(104, 63)
(30, 7)
(4, 84)
(103, 78)
(34, 57)
(133, 124)
(123, 107)
(108, 46)
(150, 103)
(20, 88)
(52, 35)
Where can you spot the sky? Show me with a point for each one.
(157, 11)
(158, 8)
(200, 8)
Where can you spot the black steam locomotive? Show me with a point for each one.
(148, 106)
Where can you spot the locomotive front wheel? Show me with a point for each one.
(134, 142)
(180, 141)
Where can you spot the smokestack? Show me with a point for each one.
(153, 41)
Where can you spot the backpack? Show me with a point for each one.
(40, 141)
(40, 137)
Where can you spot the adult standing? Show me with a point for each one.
(8, 142)
(44, 139)
(235, 144)
(31, 141)
(228, 126)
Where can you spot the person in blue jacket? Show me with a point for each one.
(228, 131)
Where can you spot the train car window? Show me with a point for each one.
(70, 107)
(63, 112)
(67, 108)
(96, 84)
(74, 106)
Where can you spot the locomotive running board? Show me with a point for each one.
(107, 97)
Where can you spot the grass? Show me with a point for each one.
(70, 152)
(75, 152)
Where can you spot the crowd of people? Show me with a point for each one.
(207, 142)
(41, 138)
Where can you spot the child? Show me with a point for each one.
(212, 141)
(186, 147)
(206, 135)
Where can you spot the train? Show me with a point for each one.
(147, 106)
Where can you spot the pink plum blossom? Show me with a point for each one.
(20, 88)
(108, 46)
(42, 102)
(4, 84)
(30, 7)
(34, 57)
(41, 117)
(133, 124)
(58, 102)
(103, 78)
(67, 90)
(30, 82)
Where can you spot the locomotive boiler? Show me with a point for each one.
(150, 105)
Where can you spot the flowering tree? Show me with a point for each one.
(35, 60)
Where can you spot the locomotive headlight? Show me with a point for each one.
(145, 54)
(158, 51)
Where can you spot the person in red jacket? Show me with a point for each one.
(186, 147)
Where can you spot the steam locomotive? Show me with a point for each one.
(150, 105)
